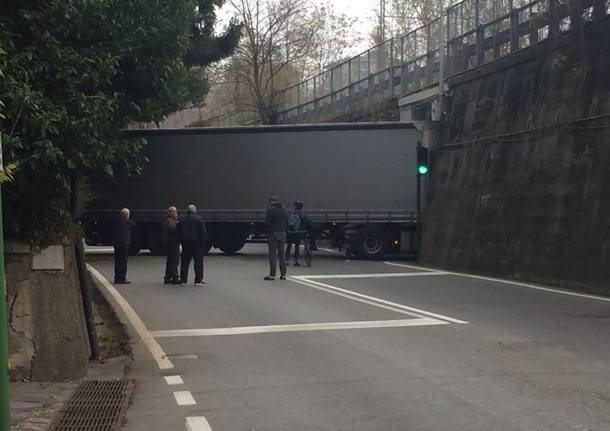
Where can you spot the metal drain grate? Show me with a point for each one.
(97, 405)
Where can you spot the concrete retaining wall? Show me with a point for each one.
(520, 188)
(47, 336)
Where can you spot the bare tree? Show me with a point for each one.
(332, 38)
(276, 34)
(403, 16)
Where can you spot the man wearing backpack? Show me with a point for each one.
(298, 224)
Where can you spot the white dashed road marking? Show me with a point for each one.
(174, 380)
(184, 398)
(198, 423)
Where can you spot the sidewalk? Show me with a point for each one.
(34, 405)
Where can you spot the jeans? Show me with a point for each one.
(191, 250)
(277, 248)
(121, 254)
(171, 264)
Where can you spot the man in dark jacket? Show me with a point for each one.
(276, 220)
(172, 245)
(121, 240)
(192, 233)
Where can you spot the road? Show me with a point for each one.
(358, 345)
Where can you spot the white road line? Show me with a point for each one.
(371, 299)
(329, 250)
(379, 275)
(113, 295)
(331, 326)
(514, 283)
(197, 423)
(320, 286)
(419, 268)
(184, 398)
(174, 380)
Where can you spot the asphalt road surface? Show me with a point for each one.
(358, 345)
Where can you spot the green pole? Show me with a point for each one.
(5, 407)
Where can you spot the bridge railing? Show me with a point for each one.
(467, 35)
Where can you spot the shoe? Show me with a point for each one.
(283, 277)
(167, 281)
(122, 282)
(297, 264)
(199, 283)
(183, 283)
(175, 281)
(269, 278)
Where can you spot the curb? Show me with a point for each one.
(128, 317)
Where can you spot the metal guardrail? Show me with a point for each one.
(467, 35)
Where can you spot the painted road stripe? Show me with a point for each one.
(301, 327)
(328, 250)
(174, 380)
(514, 283)
(153, 347)
(373, 300)
(320, 286)
(184, 398)
(197, 423)
(379, 275)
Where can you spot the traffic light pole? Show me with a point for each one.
(5, 420)
(418, 205)
(418, 222)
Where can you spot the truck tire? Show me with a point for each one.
(231, 246)
(370, 243)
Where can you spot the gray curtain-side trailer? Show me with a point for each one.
(357, 181)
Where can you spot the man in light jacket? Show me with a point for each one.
(276, 221)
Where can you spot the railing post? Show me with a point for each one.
(391, 69)
(315, 92)
(599, 9)
(333, 96)
(553, 22)
(480, 42)
(404, 72)
(350, 90)
(514, 28)
(429, 56)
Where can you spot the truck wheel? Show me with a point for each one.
(231, 246)
(370, 243)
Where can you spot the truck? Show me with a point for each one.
(357, 182)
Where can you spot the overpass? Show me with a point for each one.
(403, 78)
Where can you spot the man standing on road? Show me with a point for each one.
(172, 244)
(192, 233)
(275, 222)
(121, 240)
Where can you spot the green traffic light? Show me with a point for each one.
(422, 169)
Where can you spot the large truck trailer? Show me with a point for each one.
(357, 182)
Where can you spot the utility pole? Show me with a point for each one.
(5, 408)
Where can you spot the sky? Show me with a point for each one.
(360, 9)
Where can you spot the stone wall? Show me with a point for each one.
(47, 336)
(520, 186)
